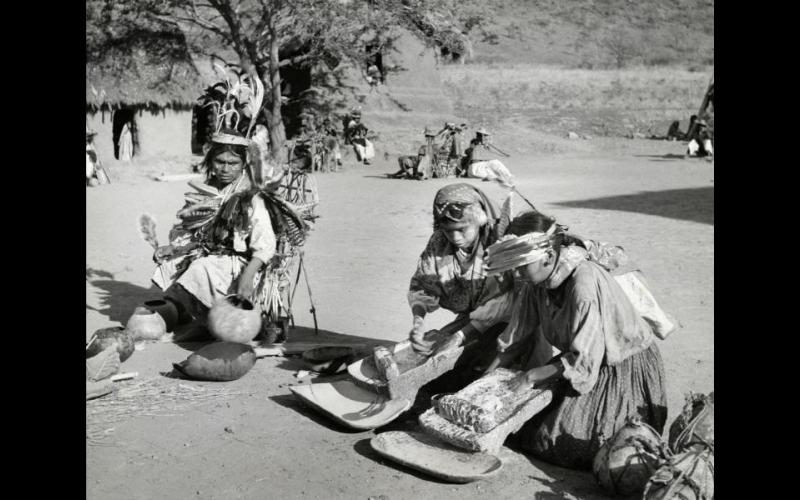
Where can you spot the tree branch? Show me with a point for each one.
(295, 60)
(196, 20)
(243, 45)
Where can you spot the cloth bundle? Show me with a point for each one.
(482, 405)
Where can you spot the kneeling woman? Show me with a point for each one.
(450, 274)
(609, 367)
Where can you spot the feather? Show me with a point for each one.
(147, 228)
(254, 101)
(256, 164)
(505, 215)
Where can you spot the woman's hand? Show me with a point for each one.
(522, 382)
(417, 335)
(536, 376)
(163, 253)
(420, 343)
(449, 343)
(503, 359)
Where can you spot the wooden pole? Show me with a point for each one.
(703, 107)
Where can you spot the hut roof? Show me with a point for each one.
(145, 70)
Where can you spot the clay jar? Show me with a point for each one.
(105, 337)
(232, 319)
(145, 324)
(166, 309)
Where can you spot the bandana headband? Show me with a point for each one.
(514, 251)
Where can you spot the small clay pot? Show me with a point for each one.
(233, 319)
(105, 337)
(273, 333)
(166, 309)
(145, 324)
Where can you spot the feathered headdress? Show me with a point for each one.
(244, 95)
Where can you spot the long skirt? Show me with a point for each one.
(570, 431)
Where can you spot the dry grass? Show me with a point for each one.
(157, 396)
(577, 33)
(558, 100)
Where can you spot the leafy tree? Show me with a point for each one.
(269, 35)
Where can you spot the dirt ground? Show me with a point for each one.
(262, 443)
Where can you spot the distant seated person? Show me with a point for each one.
(674, 133)
(95, 174)
(363, 147)
(478, 162)
(700, 143)
(410, 166)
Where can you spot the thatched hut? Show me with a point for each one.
(153, 87)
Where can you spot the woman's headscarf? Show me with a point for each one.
(463, 203)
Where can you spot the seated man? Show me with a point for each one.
(363, 147)
(477, 163)
(410, 166)
(225, 235)
(700, 143)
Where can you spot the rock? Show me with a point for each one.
(587, 137)
(573, 135)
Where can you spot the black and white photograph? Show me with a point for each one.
(399, 249)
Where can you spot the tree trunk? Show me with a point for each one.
(277, 133)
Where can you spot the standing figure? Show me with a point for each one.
(330, 143)
(126, 143)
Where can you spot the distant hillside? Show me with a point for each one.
(598, 33)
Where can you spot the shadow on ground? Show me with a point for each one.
(119, 298)
(300, 335)
(692, 204)
(290, 401)
(563, 482)
(668, 156)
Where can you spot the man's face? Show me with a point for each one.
(228, 167)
